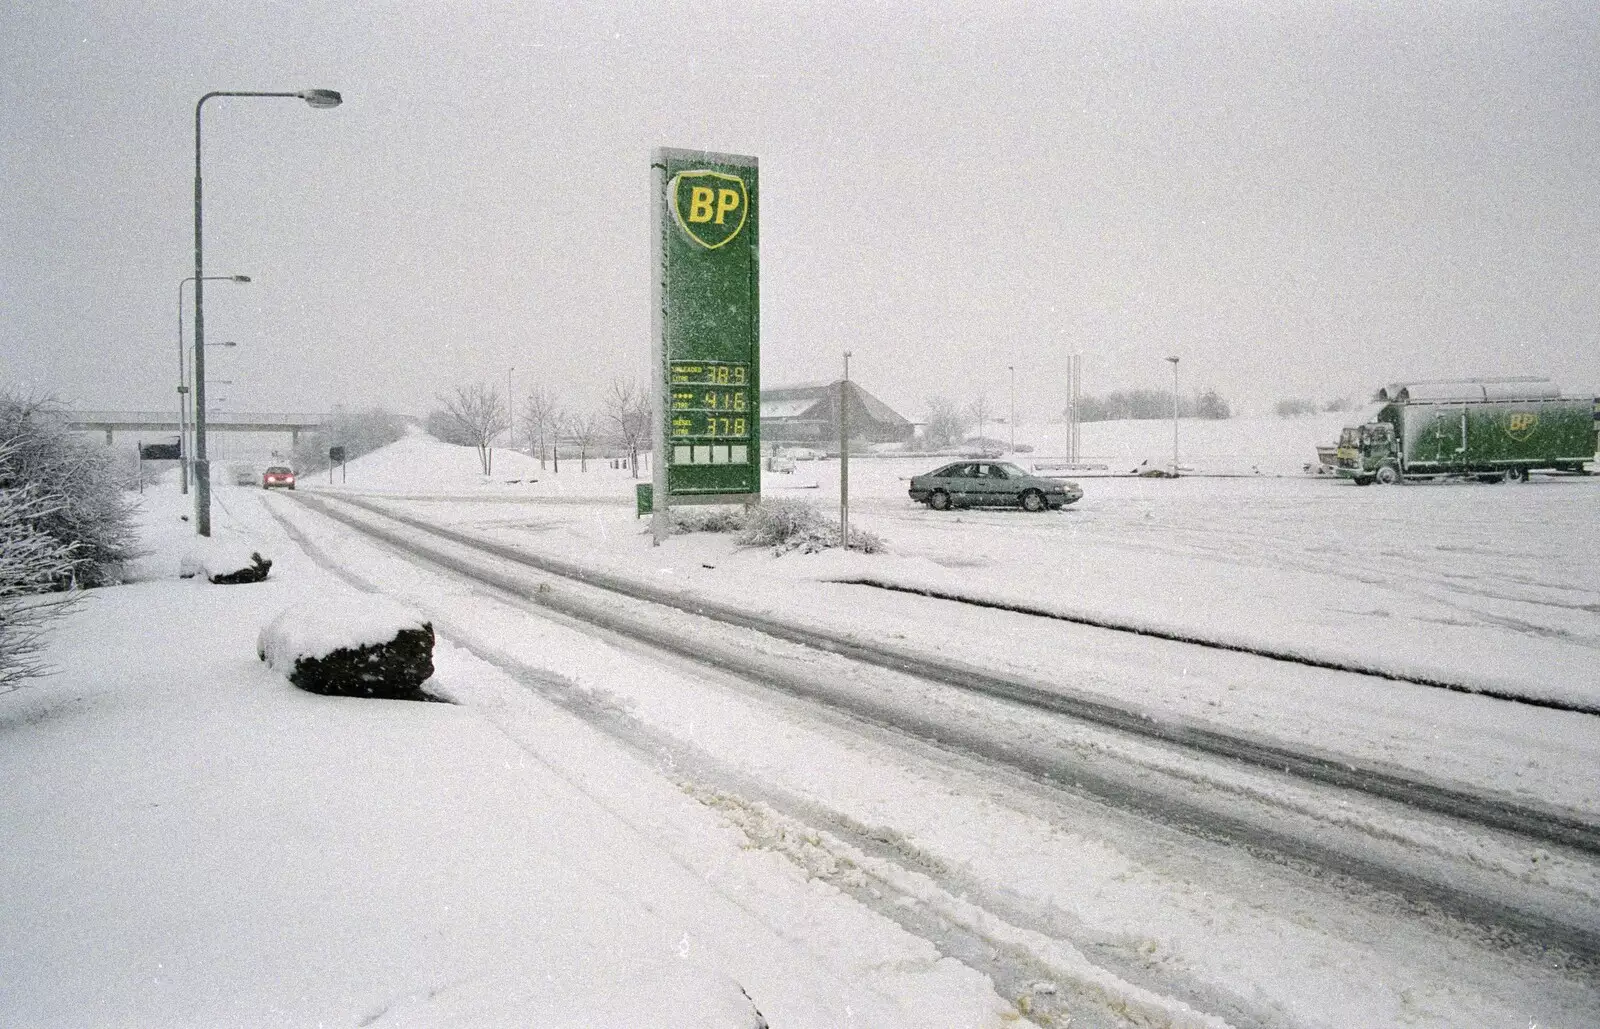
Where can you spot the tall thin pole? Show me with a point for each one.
(1013, 423)
(183, 415)
(844, 456)
(511, 407)
(202, 467)
(1072, 408)
(658, 355)
(1174, 361)
(1077, 407)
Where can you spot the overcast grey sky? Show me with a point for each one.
(1297, 199)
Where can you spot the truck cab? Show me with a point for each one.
(1369, 453)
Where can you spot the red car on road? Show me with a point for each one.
(277, 475)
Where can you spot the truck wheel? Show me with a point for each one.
(1361, 480)
(1516, 475)
(1388, 475)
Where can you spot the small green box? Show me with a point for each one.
(644, 499)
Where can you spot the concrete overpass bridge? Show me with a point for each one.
(111, 422)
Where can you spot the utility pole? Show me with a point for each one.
(1174, 361)
(1013, 423)
(844, 456)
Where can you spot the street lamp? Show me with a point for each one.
(844, 456)
(1013, 423)
(202, 468)
(183, 381)
(511, 414)
(1174, 361)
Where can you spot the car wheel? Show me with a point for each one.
(1032, 500)
(1362, 480)
(939, 500)
(1516, 475)
(1388, 475)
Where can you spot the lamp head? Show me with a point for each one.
(320, 97)
(240, 278)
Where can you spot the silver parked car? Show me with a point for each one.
(991, 484)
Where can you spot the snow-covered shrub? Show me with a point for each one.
(789, 523)
(707, 519)
(82, 502)
(362, 646)
(64, 522)
(31, 563)
(226, 562)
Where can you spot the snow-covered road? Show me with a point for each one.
(836, 866)
(793, 780)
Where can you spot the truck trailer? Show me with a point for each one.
(1490, 429)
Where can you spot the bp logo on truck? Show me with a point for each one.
(1520, 424)
(709, 206)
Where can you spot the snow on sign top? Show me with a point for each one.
(315, 629)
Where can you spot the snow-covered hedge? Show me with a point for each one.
(360, 646)
(81, 501)
(65, 522)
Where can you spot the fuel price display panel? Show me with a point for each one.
(711, 419)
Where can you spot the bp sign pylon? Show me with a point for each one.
(706, 339)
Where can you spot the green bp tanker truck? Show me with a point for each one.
(1491, 429)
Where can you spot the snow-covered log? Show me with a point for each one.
(359, 647)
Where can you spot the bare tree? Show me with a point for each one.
(627, 407)
(585, 429)
(480, 414)
(536, 412)
(558, 424)
(946, 424)
(980, 412)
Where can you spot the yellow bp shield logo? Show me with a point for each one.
(709, 206)
(1520, 424)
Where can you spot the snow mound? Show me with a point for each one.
(208, 557)
(423, 464)
(313, 630)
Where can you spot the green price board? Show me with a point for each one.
(707, 346)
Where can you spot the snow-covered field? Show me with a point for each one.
(188, 840)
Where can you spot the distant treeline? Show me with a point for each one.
(1136, 404)
(1294, 406)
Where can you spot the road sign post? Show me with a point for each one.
(706, 343)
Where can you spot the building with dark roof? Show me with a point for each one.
(809, 416)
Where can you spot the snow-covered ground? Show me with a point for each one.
(190, 841)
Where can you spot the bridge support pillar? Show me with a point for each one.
(294, 437)
(108, 435)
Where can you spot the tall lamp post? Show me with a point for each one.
(202, 467)
(511, 410)
(1013, 422)
(183, 383)
(1174, 361)
(844, 456)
